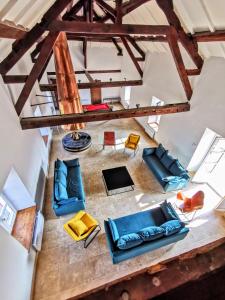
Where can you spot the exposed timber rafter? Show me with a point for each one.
(174, 47)
(133, 58)
(107, 29)
(37, 122)
(208, 36)
(21, 46)
(136, 46)
(89, 77)
(9, 30)
(187, 42)
(96, 84)
(46, 51)
(22, 78)
(106, 7)
(119, 49)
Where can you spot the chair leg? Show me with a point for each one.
(95, 232)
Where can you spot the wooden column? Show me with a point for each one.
(68, 94)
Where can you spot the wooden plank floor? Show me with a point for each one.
(24, 225)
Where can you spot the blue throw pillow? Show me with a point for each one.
(129, 241)
(168, 211)
(167, 160)
(172, 227)
(59, 165)
(160, 150)
(60, 177)
(113, 229)
(151, 233)
(60, 191)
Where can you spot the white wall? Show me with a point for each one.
(26, 152)
(181, 132)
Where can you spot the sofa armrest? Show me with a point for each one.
(172, 179)
(72, 162)
(148, 151)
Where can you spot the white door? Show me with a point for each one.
(212, 169)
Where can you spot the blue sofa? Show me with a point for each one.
(136, 222)
(169, 172)
(68, 191)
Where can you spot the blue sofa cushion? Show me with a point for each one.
(151, 233)
(168, 211)
(157, 167)
(172, 227)
(60, 177)
(177, 169)
(60, 191)
(59, 165)
(113, 229)
(167, 160)
(129, 241)
(160, 150)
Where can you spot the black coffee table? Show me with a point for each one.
(117, 180)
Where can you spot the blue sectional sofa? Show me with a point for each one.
(169, 172)
(134, 227)
(68, 192)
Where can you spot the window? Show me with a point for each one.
(7, 214)
(153, 121)
(127, 93)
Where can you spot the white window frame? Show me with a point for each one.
(153, 121)
(7, 214)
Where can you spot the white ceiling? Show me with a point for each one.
(195, 16)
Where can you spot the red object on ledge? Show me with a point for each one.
(109, 138)
(96, 107)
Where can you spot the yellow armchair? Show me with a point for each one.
(81, 227)
(132, 142)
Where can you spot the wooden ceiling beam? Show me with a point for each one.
(96, 84)
(133, 58)
(187, 42)
(38, 122)
(91, 72)
(36, 71)
(107, 29)
(193, 72)
(119, 49)
(208, 36)
(162, 280)
(106, 7)
(136, 46)
(73, 11)
(21, 46)
(85, 52)
(89, 77)
(9, 30)
(106, 39)
(119, 14)
(174, 47)
(131, 5)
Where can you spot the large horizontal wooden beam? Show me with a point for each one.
(22, 78)
(208, 36)
(37, 122)
(10, 30)
(155, 281)
(106, 39)
(96, 84)
(107, 29)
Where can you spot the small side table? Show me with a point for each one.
(109, 139)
